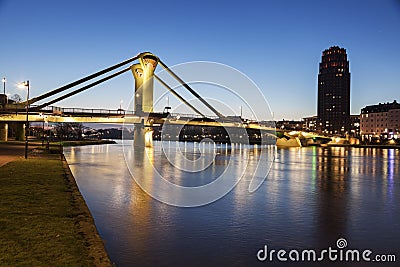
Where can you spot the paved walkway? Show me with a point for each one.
(12, 151)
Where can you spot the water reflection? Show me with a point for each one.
(311, 197)
(333, 174)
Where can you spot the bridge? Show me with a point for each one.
(143, 115)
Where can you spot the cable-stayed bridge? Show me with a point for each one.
(143, 115)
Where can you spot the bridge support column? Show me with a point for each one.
(20, 131)
(138, 135)
(144, 80)
(142, 136)
(3, 131)
(137, 72)
(148, 63)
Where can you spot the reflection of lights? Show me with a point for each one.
(148, 138)
(390, 161)
(314, 166)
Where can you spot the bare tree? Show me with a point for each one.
(69, 130)
(16, 98)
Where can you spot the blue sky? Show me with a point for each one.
(278, 44)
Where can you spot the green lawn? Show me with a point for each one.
(39, 223)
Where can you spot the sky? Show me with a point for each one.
(277, 44)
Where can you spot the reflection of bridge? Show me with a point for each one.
(143, 116)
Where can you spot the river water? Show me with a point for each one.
(312, 197)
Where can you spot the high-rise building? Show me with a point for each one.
(334, 92)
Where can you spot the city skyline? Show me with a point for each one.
(278, 45)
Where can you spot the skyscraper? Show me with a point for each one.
(334, 92)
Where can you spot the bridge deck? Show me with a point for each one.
(17, 113)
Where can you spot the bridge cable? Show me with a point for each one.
(190, 89)
(177, 95)
(82, 89)
(85, 79)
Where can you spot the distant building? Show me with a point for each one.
(310, 124)
(289, 125)
(380, 121)
(355, 125)
(3, 99)
(334, 92)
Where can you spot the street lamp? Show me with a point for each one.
(4, 85)
(26, 84)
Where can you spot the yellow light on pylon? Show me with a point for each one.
(148, 138)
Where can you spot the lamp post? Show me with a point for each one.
(4, 85)
(41, 115)
(26, 84)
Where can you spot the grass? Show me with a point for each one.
(39, 218)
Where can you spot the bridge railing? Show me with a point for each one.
(95, 111)
(18, 109)
(177, 115)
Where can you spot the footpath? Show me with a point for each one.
(44, 220)
(10, 152)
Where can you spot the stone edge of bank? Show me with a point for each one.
(86, 224)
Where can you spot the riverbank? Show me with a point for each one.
(36, 143)
(44, 220)
(87, 142)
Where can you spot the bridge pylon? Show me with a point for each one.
(143, 73)
(3, 131)
(19, 129)
(137, 72)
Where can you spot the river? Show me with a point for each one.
(311, 198)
